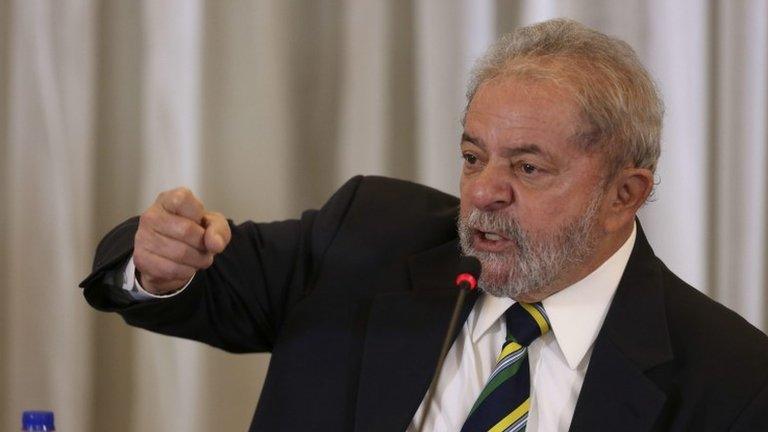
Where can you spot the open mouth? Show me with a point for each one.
(490, 241)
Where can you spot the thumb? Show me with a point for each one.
(217, 233)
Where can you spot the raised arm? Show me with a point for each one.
(246, 277)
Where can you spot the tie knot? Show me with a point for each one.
(526, 322)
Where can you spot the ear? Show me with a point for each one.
(626, 194)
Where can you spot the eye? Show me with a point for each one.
(469, 158)
(528, 168)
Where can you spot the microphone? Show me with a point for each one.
(466, 280)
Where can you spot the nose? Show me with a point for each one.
(489, 190)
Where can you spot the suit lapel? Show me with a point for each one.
(616, 394)
(405, 329)
(404, 333)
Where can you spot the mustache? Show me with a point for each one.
(502, 224)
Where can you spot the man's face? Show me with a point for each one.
(530, 197)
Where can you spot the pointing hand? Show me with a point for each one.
(176, 238)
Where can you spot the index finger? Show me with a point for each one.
(180, 228)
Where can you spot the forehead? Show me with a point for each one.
(514, 104)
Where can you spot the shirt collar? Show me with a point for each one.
(575, 313)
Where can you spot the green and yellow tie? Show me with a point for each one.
(504, 402)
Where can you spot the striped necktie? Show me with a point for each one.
(504, 402)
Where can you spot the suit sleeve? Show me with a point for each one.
(239, 303)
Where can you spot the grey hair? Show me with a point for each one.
(617, 96)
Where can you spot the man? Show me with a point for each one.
(560, 143)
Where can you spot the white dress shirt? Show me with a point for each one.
(558, 360)
(133, 286)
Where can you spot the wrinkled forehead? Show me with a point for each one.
(508, 101)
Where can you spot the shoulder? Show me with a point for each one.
(700, 321)
(717, 351)
(375, 219)
(386, 204)
(381, 191)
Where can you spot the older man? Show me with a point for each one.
(579, 327)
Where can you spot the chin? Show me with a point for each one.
(499, 280)
(507, 290)
(504, 275)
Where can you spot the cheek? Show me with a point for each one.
(543, 215)
(463, 188)
(555, 209)
(464, 207)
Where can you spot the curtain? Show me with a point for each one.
(263, 108)
(47, 150)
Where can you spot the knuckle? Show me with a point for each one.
(186, 230)
(183, 194)
(171, 198)
(179, 253)
(174, 200)
(148, 218)
(193, 199)
(199, 208)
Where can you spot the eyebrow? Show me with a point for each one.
(507, 152)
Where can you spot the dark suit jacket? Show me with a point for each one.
(353, 301)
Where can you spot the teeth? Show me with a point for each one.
(492, 236)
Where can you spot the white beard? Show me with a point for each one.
(533, 263)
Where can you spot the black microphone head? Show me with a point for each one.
(471, 265)
(469, 273)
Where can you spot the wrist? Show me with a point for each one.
(158, 291)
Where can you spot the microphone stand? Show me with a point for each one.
(447, 342)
